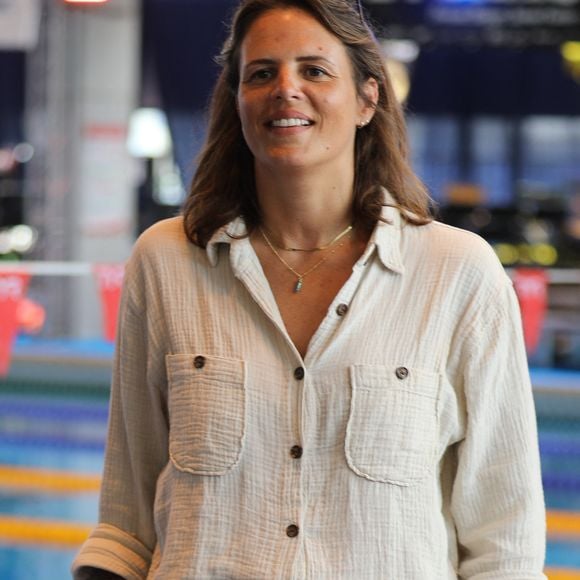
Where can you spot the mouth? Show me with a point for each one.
(290, 122)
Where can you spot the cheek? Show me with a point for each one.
(247, 114)
(340, 106)
(245, 121)
(250, 131)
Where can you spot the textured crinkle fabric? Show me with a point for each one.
(403, 446)
(116, 551)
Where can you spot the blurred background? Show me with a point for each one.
(102, 112)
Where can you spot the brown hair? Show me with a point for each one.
(223, 186)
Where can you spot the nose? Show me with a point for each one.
(287, 85)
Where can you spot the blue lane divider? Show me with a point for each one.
(557, 445)
(561, 482)
(80, 348)
(60, 411)
(53, 441)
(560, 445)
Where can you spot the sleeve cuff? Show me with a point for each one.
(114, 550)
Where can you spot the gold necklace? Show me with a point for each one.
(300, 277)
(318, 248)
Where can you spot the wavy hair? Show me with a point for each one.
(223, 186)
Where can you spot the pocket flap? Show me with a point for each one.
(392, 427)
(206, 412)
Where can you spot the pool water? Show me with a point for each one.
(51, 456)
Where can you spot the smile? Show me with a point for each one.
(293, 122)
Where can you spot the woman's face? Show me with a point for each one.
(297, 99)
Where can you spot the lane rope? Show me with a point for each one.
(562, 574)
(26, 480)
(30, 531)
(19, 531)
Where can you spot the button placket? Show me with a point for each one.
(296, 452)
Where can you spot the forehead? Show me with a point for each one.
(287, 32)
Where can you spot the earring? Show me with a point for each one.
(362, 124)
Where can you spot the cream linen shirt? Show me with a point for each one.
(403, 446)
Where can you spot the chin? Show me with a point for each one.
(288, 161)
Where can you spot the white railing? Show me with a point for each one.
(49, 268)
(36, 268)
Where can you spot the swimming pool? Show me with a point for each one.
(53, 416)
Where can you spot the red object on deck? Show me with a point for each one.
(531, 285)
(13, 287)
(110, 279)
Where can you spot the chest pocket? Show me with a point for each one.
(206, 413)
(393, 423)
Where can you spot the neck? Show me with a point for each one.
(305, 210)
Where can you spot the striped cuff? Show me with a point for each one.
(112, 549)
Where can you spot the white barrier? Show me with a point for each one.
(49, 268)
(557, 275)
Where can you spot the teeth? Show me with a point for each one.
(290, 122)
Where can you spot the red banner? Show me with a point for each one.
(110, 280)
(13, 287)
(532, 289)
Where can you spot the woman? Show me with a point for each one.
(313, 379)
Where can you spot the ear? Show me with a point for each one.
(371, 92)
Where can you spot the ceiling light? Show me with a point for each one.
(85, 1)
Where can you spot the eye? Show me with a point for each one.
(260, 75)
(315, 72)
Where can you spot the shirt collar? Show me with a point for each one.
(225, 235)
(386, 237)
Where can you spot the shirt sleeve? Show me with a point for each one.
(124, 540)
(497, 499)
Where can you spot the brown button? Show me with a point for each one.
(299, 373)
(199, 362)
(296, 452)
(402, 373)
(342, 309)
(292, 531)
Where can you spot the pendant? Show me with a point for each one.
(298, 286)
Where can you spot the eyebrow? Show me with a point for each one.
(306, 58)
